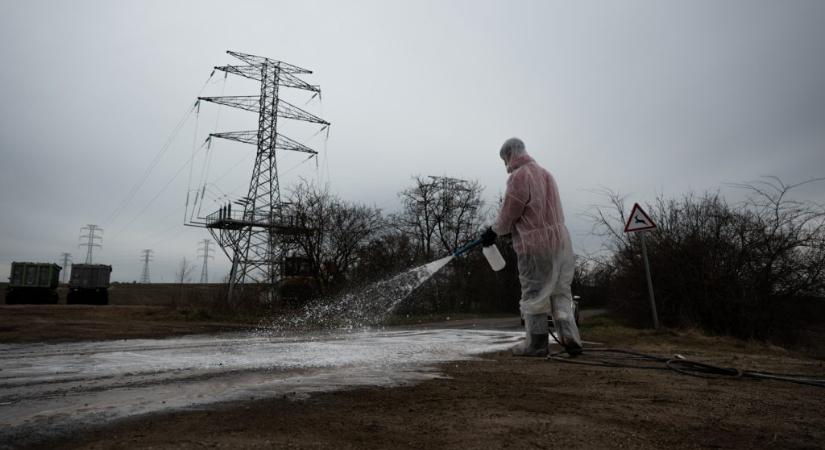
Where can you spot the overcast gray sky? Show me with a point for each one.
(644, 97)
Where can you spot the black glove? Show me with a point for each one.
(488, 238)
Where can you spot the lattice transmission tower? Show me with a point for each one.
(253, 236)
(205, 252)
(92, 238)
(67, 259)
(145, 256)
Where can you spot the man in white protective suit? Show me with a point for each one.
(532, 213)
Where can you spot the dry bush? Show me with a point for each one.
(738, 269)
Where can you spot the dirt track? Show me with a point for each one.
(506, 402)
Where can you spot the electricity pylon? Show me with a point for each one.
(254, 237)
(91, 237)
(67, 258)
(204, 252)
(146, 256)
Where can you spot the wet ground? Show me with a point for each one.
(54, 387)
(445, 385)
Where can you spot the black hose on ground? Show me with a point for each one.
(635, 360)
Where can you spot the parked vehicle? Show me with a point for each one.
(297, 284)
(31, 282)
(89, 284)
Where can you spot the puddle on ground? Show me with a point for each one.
(50, 387)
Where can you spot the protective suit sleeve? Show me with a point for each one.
(516, 197)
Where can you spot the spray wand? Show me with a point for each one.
(462, 250)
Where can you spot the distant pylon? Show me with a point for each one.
(146, 256)
(205, 252)
(91, 236)
(67, 258)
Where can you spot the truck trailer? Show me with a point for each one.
(297, 284)
(31, 282)
(89, 284)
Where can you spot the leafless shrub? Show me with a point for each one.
(183, 275)
(730, 269)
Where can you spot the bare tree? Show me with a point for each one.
(608, 219)
(183, 275)
(789, 238)
(419, 218)
(440, 213)
(388, 253)
(459, 212)
(339, 230)
(184, 272)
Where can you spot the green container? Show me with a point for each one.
(90, 276)
(34, 275)
(89, 284)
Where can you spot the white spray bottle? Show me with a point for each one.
(493, 257)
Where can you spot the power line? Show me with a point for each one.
(165, 186)
(91, 237)
(152, 164)
(136, 187)
(146, 256)
(204, 176)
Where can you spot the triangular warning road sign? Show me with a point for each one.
(638, 220)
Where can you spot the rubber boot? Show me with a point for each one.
(536, 336)
(565, 324)
(573, 350)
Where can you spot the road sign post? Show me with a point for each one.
(639, 221)
(650, 285)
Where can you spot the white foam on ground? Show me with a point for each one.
(51, 387)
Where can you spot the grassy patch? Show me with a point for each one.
(615, 332)
(607, 329)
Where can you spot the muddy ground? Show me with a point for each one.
(497, 401)
(68, 323)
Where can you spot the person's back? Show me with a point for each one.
(532, 213)
(540, 226)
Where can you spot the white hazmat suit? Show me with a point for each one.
(532, 213)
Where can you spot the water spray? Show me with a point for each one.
(372, 304)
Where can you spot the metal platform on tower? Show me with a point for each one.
(227, 219)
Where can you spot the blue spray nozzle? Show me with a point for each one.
(467, 247)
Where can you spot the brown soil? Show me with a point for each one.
(64, 323)
(501, 401)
